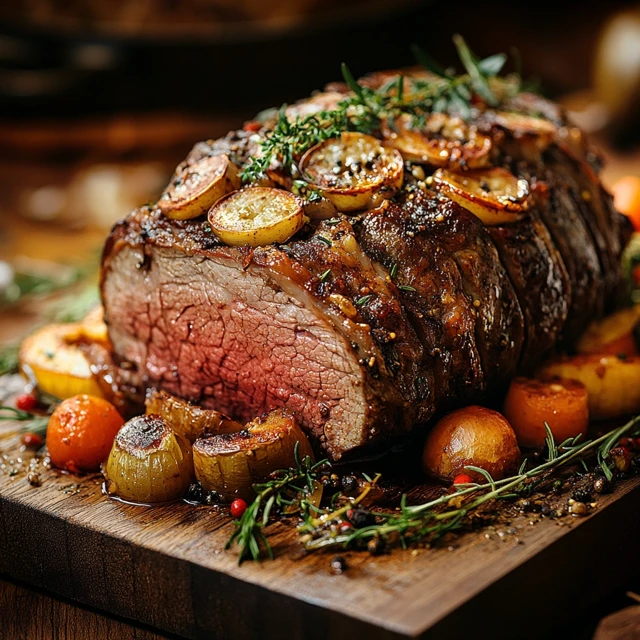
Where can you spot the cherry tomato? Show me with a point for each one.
(462, 478)
(26, 402)
(238, 507)
(32, 440)
(81, 431)
(626, 198)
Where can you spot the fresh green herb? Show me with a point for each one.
(409, 524)
(9, 359)
(325, 240)
(406, 287)
(363, 300)
(365, 109)
(30, 422)
(323, 276)
(394, 269)
(284, 489)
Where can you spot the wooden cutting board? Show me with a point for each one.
(166, 566)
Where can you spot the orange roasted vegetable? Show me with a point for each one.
(562, 404)
(615, 334)
(81, 431)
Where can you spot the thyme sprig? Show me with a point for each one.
(289, 491)
(364, 110)
(410, 524)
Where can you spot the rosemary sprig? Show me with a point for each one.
(365, 109)
(286, 488)
(9, 359)
(411, 524)
(30, 422)
(428, 520)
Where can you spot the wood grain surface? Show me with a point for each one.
(166, 567)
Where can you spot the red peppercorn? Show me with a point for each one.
(344, 527)
(32, 440)
(26, 402)
(252, 126)
(238, 507)
(463, 478)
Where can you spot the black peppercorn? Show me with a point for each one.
(360, 518)
(338, 565)
(350, 484)
(195, 493)
(581, 495)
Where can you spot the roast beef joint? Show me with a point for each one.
(385, 265)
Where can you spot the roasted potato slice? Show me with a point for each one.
(53, 357)
(521, 126)
(231, 463)
(612, 382)
(493, 195)
(257, 216)
(149, 463)
(615, 334)
(93, 327)
(445, 141)
(198, 186)
(354, 171)
(188, 420)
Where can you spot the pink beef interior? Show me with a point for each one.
(234, 340)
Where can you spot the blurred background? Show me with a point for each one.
(100, 99)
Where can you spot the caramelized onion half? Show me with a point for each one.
(354, 171)
(188, 420)
(231, 463)
(198, 186)
(149, 463)
(444, 141)
(493, 195)
(256, 216)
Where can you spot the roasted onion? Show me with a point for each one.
(353, 171)
(444, 141)
(256, 216)
(231, 463)
(149, 463)
(196, 187)
(493, 195)
(188, 420)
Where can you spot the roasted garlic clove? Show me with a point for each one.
(187, 419)
(149, 463)
(231, 463)
(493, 195)
(444, 141)
(199, 186)
(256, 216)
(354, 171)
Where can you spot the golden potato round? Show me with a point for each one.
(471, 436)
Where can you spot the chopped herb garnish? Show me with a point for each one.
(394, 269)
(323, 276)
(363, 300)
(406, 287)
(325, 240)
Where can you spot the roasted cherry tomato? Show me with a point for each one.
(81, 431)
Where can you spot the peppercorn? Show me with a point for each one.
(375, 546)
(338, 565)
(26, 402)
(581, 495)
(545, 510)
(350, 484)
(335, 481)
(238, 507)
(32, 440)
(33, 478)
(621, 457)
(360, 518)
(195, 493)
(601, 485)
